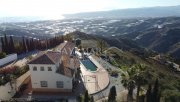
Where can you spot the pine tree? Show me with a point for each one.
(28, 45)
(2, 46)
(86, 96)
(21, 49)
(112, 94)
(46, 42)
(24, 45)
(149, 94)
(32, 46)
(6, 44)
(92, 99)
(62, 39)
(156, 91)
(79, 99)
(11, 45)
(78, 42)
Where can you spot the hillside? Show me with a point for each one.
(164, 38)
(122, 43)
(169, 80)
(126, 56)
(158, 34)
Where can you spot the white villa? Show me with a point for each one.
(54, 71)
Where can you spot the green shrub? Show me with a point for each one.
(114, 73)
(171, 96)
(2, 82)
(2, 55)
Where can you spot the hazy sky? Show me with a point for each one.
(54, 8)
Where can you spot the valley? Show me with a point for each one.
(158, 34)
(90, 51)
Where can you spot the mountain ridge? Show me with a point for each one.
(158, 11)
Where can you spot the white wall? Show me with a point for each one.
(50, 76)
(8, 58)
(6, 91)
(21, 79)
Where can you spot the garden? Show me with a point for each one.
(11, 73)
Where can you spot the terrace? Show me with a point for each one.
(94, 81)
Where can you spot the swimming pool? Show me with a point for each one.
(89, 65)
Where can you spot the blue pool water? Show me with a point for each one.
(89, 64)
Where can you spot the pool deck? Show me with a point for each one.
(95, 81)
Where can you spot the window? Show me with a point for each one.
(49, 69)
(59, 84)
(44, 84)
(34, 68)
(42, 68)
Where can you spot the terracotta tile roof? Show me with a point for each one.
(68, 72)
(72, 65)
(66, 48)
(61, 46)
(54, 56)
(65, 71)
(49, 57)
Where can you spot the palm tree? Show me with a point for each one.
(139, 81)
(139, 78)
(132, 78)
(102, 45)
(129, 83)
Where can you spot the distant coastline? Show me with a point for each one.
(28, 19)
